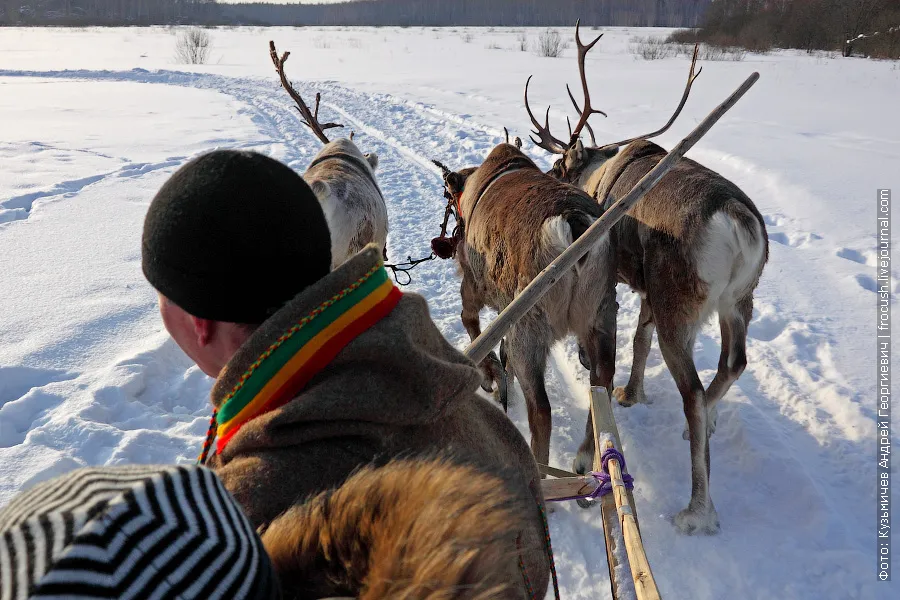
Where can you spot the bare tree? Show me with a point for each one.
(522, 39)
(549, 44)
(192, 46)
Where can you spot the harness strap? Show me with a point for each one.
(516, 164)
(620, 166)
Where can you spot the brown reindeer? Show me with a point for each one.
(694, 245)
(343, 179)
(514, 221)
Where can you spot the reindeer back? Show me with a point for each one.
(505, 204)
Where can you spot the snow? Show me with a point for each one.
(94, 120)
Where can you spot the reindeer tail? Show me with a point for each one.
(417, 528)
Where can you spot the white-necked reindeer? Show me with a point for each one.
(343, 179)
(694, 245)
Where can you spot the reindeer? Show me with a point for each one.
(343, 179)
(694, 245)
(513, 220)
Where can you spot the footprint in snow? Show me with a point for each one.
(767, 327)
(869, 283)
(773, 221)
(794, 240)
(864, 258)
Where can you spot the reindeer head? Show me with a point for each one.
(444, 246)
(579, 161)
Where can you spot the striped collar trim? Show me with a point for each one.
(285, 368)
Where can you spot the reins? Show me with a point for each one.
(406, 267)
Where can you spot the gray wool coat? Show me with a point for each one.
(398, 389)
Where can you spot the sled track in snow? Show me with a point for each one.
(772, 426)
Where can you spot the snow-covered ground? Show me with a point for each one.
(93, 121)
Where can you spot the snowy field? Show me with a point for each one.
(93, 121)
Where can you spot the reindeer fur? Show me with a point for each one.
(413, 529)
(343, 179)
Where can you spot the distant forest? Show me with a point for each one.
(518, 13)
(864, 27)
(432, 13)
(108, 12)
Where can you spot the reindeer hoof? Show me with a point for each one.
(626, 397)
(694, 522)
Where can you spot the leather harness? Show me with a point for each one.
(515, 164)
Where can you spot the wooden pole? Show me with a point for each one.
(608, 512)
(567, 487)
(644, 583)
(602, 415)
(545, 470)
(491, 336)
(619, 506)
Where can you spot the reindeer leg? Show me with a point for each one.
(733, 321)
(600, 345)
(528, 347)
(633, 393)
(677, 344)
(472, 305)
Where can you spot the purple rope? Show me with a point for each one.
(603, 477)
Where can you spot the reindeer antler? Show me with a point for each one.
(588, 109)
(687, 90)
(310, 118)
(517, 141)
(547, 141)
(442, 167)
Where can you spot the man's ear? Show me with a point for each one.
(372, 158)
(203, 330)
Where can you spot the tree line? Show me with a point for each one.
(434, 13)
(866, 27)
(515, 13)
(108, 12)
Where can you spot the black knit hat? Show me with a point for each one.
(232, 236)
